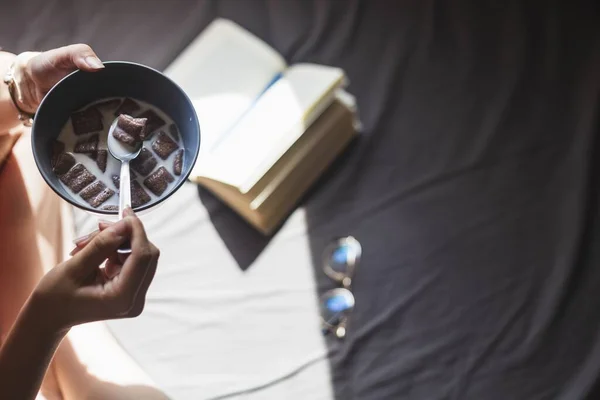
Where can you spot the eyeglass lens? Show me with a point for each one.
(336, 305)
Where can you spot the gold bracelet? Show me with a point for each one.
(25, 117)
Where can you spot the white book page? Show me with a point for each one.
(223, 71)
(274, 124)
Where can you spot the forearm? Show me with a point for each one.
(8, 113)
(27, 352)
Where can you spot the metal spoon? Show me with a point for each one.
(125, 154)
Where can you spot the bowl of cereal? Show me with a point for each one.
(70, 132)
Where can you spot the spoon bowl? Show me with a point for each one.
(119, 150)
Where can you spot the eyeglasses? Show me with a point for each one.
(340, 259)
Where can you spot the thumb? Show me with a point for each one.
(104, 245)
(68, 58)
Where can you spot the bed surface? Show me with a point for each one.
(473, 190)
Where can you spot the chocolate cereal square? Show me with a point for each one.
(110, 208)
(163, 146)
(77, 178)
(101, 159)
(178, 163)
(130, 130)
(96, 194)
(87, 121)
(124, 137)
(116, 179)
(64, 163)
(174, 132)
(144, 163)
(154, 122)
(128, 107)
(58, 148)
(92, 190)
(101, 197)
(158, 181)
(89, 145)
(139, 197)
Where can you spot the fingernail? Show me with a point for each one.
(75, 251)
(128, 212)
(104, 225)
(84, 237)
(94, 62)
(105, 222)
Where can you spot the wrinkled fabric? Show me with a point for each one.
(473, 190)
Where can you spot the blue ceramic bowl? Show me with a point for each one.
(117, 79)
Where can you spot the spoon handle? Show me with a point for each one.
(124, 188)
(124, 199)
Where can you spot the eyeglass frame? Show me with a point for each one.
(343, 278)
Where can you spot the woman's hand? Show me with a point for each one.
(75, 292)
(36, 73)
(79, 291)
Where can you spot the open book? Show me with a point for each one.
(253, 109)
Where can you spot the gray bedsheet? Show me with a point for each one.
(474, 191)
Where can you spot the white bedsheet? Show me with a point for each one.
(212, 330)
